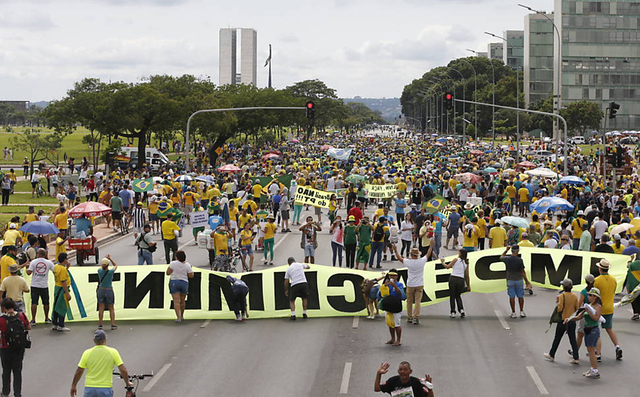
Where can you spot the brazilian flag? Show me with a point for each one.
(435, 204)
(164, 208)
(143, 185)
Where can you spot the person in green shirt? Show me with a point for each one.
(633, 279)
(350, 241)
(363, 231)
(99, 362)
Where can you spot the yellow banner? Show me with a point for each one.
(309, 196)
(142, 292)
(381, 191)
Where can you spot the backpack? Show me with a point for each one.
(15, 335)
(378, 233)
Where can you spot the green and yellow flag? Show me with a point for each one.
(435, 204)
(143, 185)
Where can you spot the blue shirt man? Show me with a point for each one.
(83, 225)
(125, 196)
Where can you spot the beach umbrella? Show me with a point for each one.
(508, 171)
(551, 203)
(542, 172)
(184, 178)
(526, 164)
(441, 140)
(491, 170)
(477, 152)
(229, 168)
(205, 178)
(619, 229)
(39, 227)
(515, 221)
(571, 180)
(270, 156)
(89, 209)
(294, 141)
(468, 177)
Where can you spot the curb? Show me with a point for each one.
(105, 240)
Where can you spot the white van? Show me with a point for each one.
(151, 153)
(578, 140)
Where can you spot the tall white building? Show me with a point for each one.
(228, 60)
(538, 57)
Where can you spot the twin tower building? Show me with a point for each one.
(229, 57)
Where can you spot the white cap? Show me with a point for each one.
(469, 226)
(12, 226)
(581, 212)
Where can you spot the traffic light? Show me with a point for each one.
(613, 109)
(310, 109)
(609, 156)
(448, 101)
(620, 160)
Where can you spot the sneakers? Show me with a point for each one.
(238, 318)
(523, 314)
(574, 361)
(393, 258)
(513, 315)
(592, 375)
(635, 317)
(416, 321)
(293, 318)
(618, 353)
(452, 315)
(409, 320)
(384, 258)
(63, 329)
(571, 352)
(462, 315)
(304, 315)
(32, 322)
(371, 317)
(48, 321)
(549, 357)
(599, 358)
(54, 328)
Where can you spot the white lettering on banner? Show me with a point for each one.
(309, 196)
(381, 191)
(475, 201)
(199, 219)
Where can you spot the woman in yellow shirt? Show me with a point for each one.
(269, 231)
(482, 229)
(471, 233)
(246, 247)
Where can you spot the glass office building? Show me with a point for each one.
(513, 49)
(494, 50)
(538, 57)
(601, 56)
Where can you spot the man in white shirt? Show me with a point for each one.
(599, 227)
(294, 277)
(39, 269)
(415, 282)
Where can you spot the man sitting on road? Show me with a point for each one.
(403, 384)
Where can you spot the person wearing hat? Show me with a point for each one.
(350, 241)
(170, 233)
(497, 235)
(567, 304)
(591, 315)
(269, 229)
(12, 356)
(617, 245)
(516, 279)
(11, 237)
(577, 227)
(8, 259)
(356, 212)
(99, 362)
(607, 285)
(106, 298)
(14, 286)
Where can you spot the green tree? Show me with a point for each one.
(582, 116)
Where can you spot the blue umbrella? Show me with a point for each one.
(184, 178)
(205, 178)
(551, 203)
(39, 227)
(441, 140)
(571, 180)
(491, 170)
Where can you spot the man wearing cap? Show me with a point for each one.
(99, 362)
(607, 285)
(567, 304)
(7, 260)
(577, 227)
(11, 238)
(515, 276)
(356, 212)
(13, 287)
(350, 241)
(106, 298)
(139, 219)
(170, 232)
(415, 282)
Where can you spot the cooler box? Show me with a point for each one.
(80, 244)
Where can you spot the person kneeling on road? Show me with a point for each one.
(238, 303)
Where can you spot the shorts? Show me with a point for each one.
(515, 288)
(233, 225)
(153, 217)
(188, 208)
(34, 184)
(117, 215)
(453, 232)
(309, 250)
(137, 230)
(469, 249)
(318, 210)
(98, 392)
(178, 286)
(523, 204)
(580, 326)
(591, 336)
(395, 319)
(41, 294)
(284, 215)
(220, 261)
(608, 320)
(106, 296)
(298, 291)
(373, 292)
(246, 249)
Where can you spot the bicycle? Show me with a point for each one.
(135, 380)
(39, 190)
(124, 223)
(229, 263)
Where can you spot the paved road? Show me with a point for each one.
(277, 357)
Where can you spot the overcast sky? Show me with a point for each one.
(370, 48)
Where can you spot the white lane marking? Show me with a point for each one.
(356, 320)
(206, 322)
(501, 319)
(156, 377)
(537, 380)
(185, 244)
(280, 242)
(346, 375)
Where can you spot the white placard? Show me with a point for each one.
(199, 219)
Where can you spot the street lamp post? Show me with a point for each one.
(464, 81)
(440, 81)
(493, 97)
(475, 97)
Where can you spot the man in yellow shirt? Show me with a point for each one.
(11, 238)
(220, 253)
(31, 216)
(170, 230)
(251, 205)
(7, 260)
(497, 235)
(189, 197)
(62, 221)
(576, 226)
(99, 362)
(257, 190)
(511, 191)
(269, 231)
(482, 229)
(61, 244)
(607, 285)
(523, 200)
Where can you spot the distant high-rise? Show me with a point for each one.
(513, 49)
(494, 50)
(227, 60)
(538, 57)
(248, 56)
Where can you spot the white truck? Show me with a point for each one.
(154, 157)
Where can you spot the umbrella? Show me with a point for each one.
(89, 209)
(294, 141)
(468, 177)
(325, 147)
(571, 180)
(491, 170)
(441, 140)
(526, 164)
(39, 227)
(551, 203)
(229, 168)
(509, 158)
(543, 172)
(619, 229)
(477, 152)
(270, 156)
(508, 171)
(515, 221)
(184, 178)
(355, 178)
(438, 144)
(205, 179)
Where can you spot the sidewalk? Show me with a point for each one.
(101, 232)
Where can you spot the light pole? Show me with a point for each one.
(464, 83)
(493, 97)
(557, 89)
(475, 96)
(440, 81)
(517, 99)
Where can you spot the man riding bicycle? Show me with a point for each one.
(221, 247)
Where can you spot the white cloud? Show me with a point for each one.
(31, 21)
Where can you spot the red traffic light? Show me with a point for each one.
(448, 96)
(310, 105)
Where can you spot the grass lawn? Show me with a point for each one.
(22, 210)
(27, 199)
